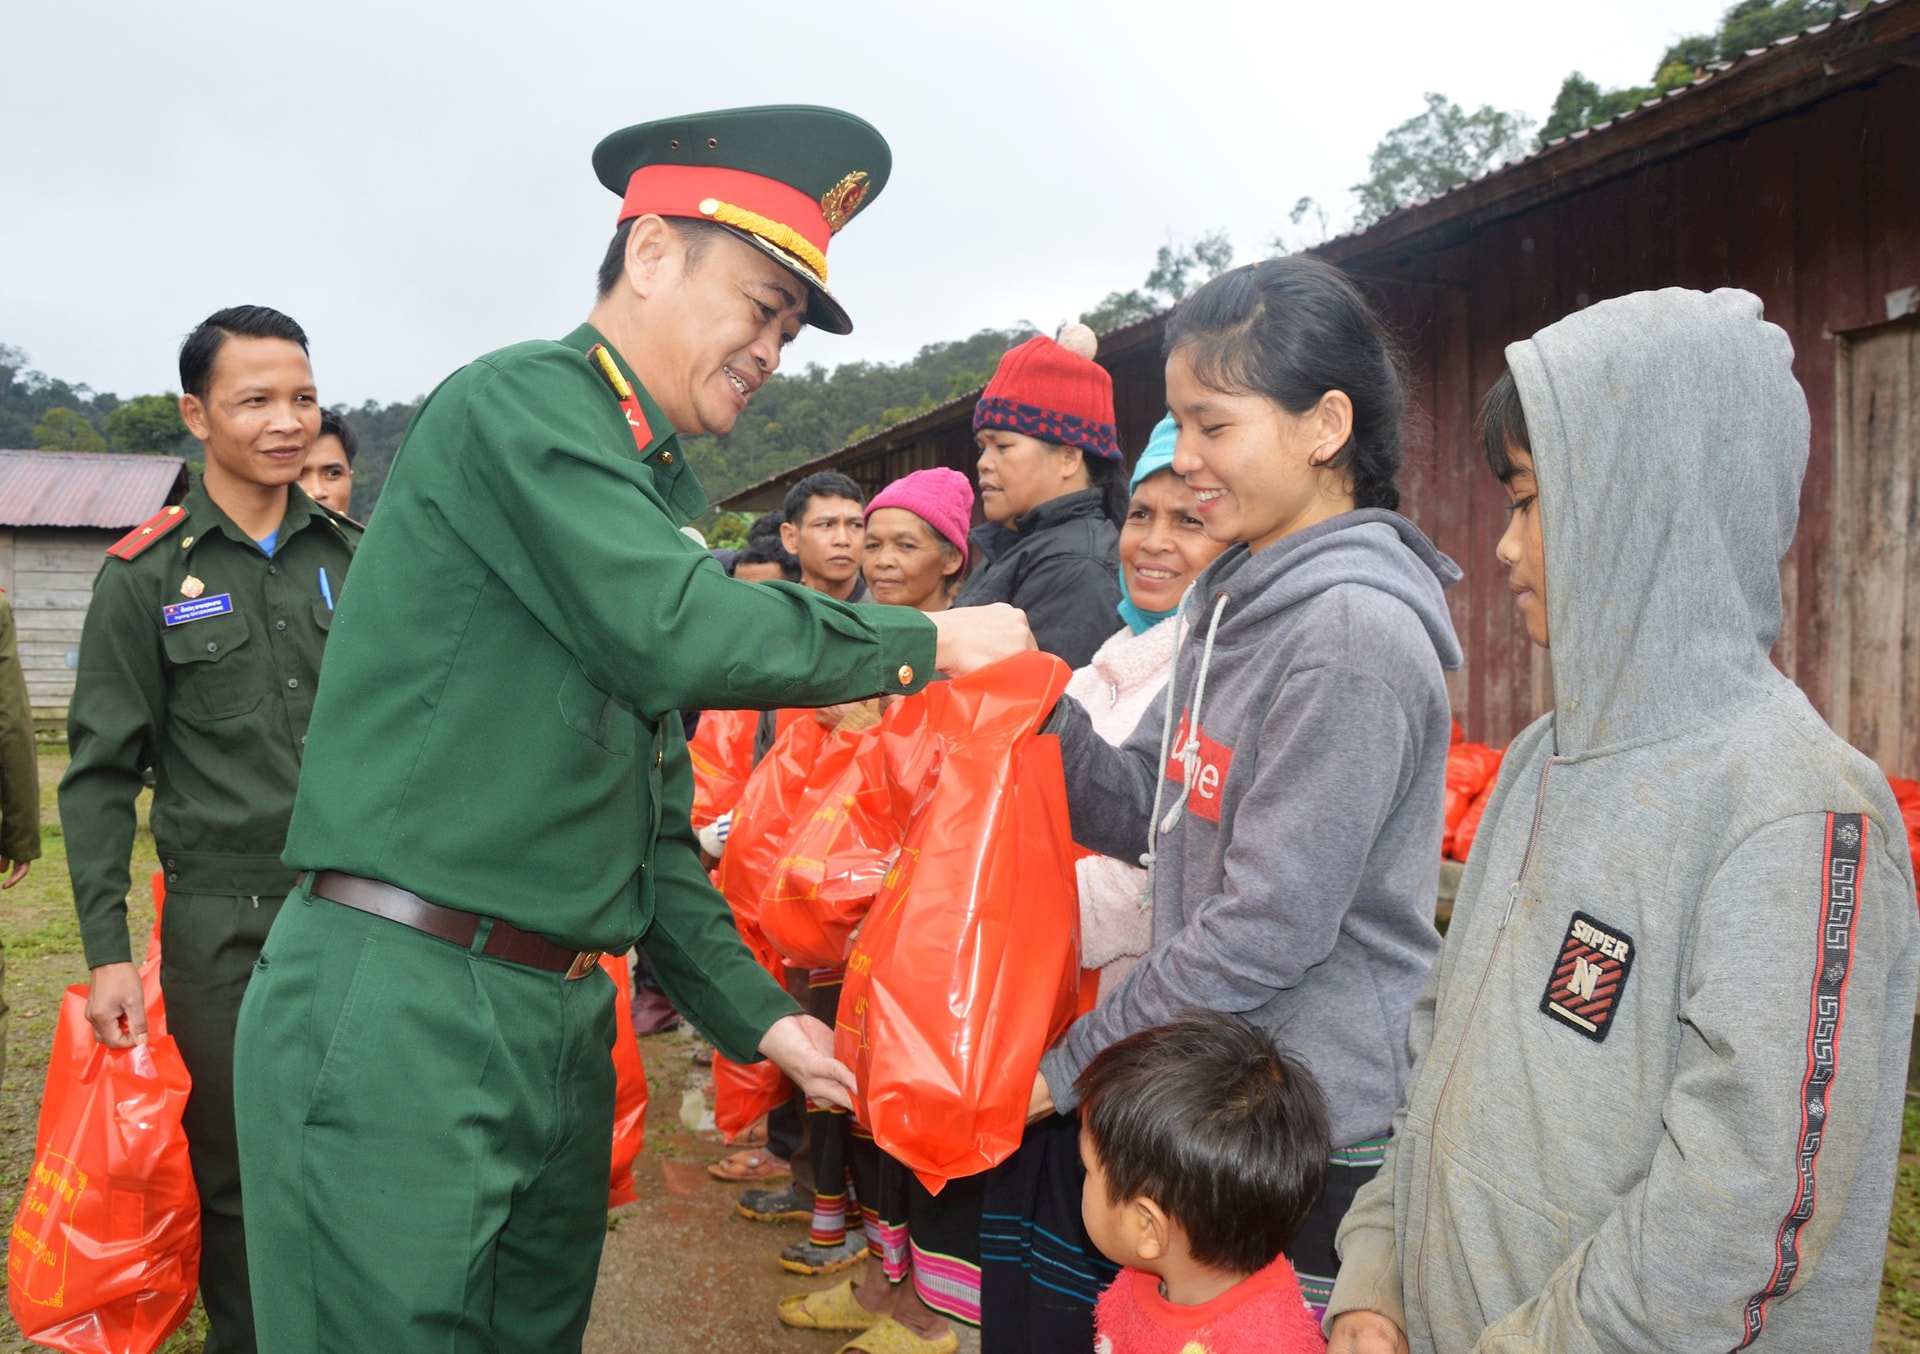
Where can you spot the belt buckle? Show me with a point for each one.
(584, 963)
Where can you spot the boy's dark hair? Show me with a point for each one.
(760, 550)
(1291, 329)
(1209, 1119)
(1503, 425)
(820, 484)
(332, 425)
(766, 527)
(698, 234)
(205, 342)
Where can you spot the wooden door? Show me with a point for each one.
(1876, 565)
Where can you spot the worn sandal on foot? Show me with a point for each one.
(887, 1336)
(749, 1167)
(833, 1308)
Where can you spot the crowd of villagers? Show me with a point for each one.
(1607, 1111)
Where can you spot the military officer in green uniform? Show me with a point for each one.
(498, 789)
(199, 659)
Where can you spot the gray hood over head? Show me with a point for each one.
(1669, 441)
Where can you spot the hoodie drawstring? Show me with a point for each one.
(1189, 751)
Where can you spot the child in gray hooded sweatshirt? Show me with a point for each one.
(1290, 784)
(1660, 1067)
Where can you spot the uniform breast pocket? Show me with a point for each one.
(588, 710)
(323, 616)
(213, 671)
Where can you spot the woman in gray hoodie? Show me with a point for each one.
(1289, 785)
(1660, 1067)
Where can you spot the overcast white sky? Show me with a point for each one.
(411, 180)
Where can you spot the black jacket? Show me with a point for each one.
(1061, 565)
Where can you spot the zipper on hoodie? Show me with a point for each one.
(1493, 953)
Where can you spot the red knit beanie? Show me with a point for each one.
(1052, 393)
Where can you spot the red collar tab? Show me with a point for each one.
(623, 391)
(777, 212)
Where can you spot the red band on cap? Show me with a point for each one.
(678, 190)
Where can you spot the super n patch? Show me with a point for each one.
(197, 609)
(1589, 975)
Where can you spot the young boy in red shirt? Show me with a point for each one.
(1204, 1146)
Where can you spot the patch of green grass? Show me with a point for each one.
(1899, 1324)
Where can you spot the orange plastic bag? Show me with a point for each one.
(150, 966)
(1469, 827)
(847, 836)
(967, 968)
(105, 1250)
(629, 1085)
(1471, 768)
(1906, 793)
(721, 750)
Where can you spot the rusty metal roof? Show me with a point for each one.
(85, 489)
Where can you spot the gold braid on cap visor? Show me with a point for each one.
(783, 237)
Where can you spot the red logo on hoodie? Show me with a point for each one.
(1216, 759)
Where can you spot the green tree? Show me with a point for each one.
(1440, 149)
(1177, 271)
(1746, 25)
(147, 425)
(63, 429)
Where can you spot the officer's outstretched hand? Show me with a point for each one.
(803, 1048)
(116, 1006)
(971, 637)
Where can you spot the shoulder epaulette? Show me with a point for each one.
(149, 531)
(340, 518)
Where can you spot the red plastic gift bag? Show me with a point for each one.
(1906, 793)
(721, 751)
(967, 967)
(629, 1085)
(1469, 827)
(1471, 768)
(105, 1250)
(845, 840)
(772, 797)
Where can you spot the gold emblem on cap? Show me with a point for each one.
(840, 202)
(192, 587)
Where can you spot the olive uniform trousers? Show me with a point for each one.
(208, 945)
(427, 1134)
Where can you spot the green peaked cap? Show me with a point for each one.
(784, 177)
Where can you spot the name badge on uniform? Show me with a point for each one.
(179, 613)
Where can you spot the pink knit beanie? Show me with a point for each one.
(942, 498)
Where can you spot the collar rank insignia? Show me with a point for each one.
(1589, 974)
(192, 587)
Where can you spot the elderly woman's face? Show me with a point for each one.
(907, 562)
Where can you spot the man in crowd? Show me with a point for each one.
(825, 528)
(199, 659)
(19, 785)
(328, 474)
(498, 786)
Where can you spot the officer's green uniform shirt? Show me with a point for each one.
(498, 731)
(217, 706)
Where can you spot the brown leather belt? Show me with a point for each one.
(504, 941)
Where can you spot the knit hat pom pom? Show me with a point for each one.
(1079, 340)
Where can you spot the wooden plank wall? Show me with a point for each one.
(48, 574)
(1818, 213)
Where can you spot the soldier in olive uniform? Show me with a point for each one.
(498, 785)
(199, 659)
(19, 785)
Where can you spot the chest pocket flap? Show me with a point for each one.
(211, 668)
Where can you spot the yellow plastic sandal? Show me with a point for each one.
(833, 1308)
(887, 1336)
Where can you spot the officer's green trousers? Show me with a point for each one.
(208, 944)
(427, 1136)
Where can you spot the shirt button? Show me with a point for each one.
(666, 458)
(905, 674)
(279, 625)
(273, 568)
(293, 682)
(659, 757)
(212, 647)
